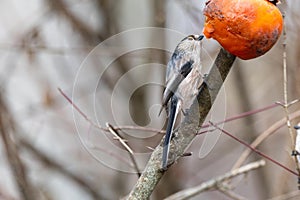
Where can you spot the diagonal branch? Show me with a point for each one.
(115, 133)
(215, 182)
(263, 136)
(188, 128)
(118, 137)
(256, 150)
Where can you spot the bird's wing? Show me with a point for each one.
(177, 71)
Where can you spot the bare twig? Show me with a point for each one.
(238, 163)
(256, 150)
(110, 153)
(285, 94)
(188, 128)
(78, 109)
(118, 137)
(239, 116)
(262, 137)
(147, 129)
(233, 118)
(128, 149)
(139, 128)
(215, 182)
(109, 128)
(287, 105)
(92, 123)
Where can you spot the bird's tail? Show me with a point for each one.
(169, 131)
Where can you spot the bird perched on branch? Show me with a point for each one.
(183, 79)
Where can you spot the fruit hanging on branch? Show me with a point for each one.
(245, 28)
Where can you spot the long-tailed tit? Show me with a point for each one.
(183, 79)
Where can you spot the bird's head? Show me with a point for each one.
(190, 44)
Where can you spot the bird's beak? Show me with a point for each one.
(200, 37)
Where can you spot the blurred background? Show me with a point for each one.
(109, 57)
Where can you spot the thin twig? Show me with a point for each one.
(109, 128)
(140, 128)
(154, 130)
(285, 94)
(233, 118)
(213, 183)
(118, 137)
(128, 149)
(262, 137)
(110, 153)
(238, 163)
(256, 150)
(76, 107)
(80, 111)
(242, 115)
(287, 105)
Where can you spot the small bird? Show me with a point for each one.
(183, 80)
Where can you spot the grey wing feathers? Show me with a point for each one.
(175, 77)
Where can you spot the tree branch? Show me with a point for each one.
(213, 183)
(263, 136)
(188, 128)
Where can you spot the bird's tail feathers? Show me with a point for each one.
(173, 112)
